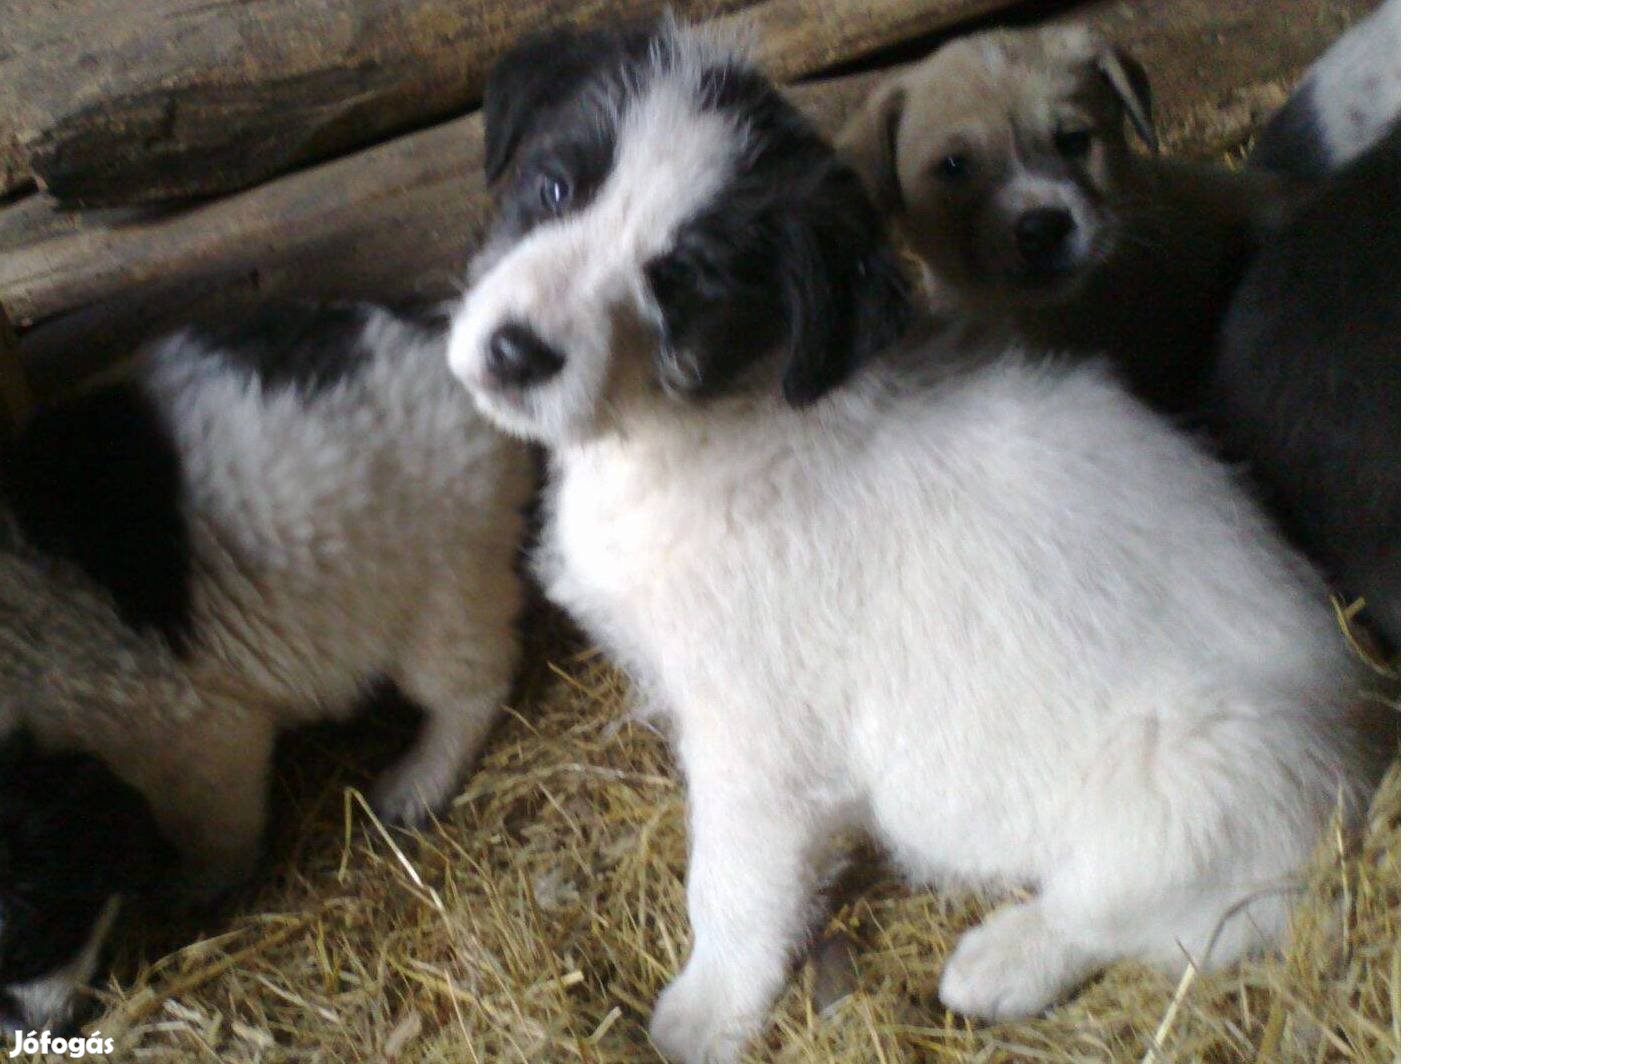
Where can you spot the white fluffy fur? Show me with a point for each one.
(366, 531)
(1352, 92)
(991, 611)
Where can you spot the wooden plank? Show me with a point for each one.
(405, 193)
(397, 221)
(53, 266)
(113, 102)
(795, 38)
(106, 102)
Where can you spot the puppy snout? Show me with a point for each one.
(517, 356)
(1041, 232)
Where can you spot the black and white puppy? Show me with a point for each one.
(984, 606)
(1345, 103)
(244, 535)
(1305, 386)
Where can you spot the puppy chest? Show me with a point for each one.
(618, 535)
(669, 558)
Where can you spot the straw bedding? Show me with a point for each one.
(538, 920)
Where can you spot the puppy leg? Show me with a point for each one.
(751, 880)
(1182, 846)
(1026, 957)
(214, 806)
(459, 672)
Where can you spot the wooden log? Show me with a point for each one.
(51, 264)
(397, 221)
(105, 102)
(394, 223)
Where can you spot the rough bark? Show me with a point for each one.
(106, 102)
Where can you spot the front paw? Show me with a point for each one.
(695, 1023)
(409, 796)
(1009, 967)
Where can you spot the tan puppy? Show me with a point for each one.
(1003, 156)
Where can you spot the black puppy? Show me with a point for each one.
(1306, 387)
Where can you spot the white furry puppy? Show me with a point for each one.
(242, 537)
(982, 605)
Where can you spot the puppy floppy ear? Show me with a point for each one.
(1132, 87)
(538, 74)
(868, 143)
(843, 289)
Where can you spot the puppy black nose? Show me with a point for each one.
(517, 356)
(1041, 231)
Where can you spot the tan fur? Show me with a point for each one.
(1165, 231)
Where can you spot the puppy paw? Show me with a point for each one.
(694, 1022)
(409, 797)
(1011, 966)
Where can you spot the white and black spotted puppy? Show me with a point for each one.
(980, 604)
(245, 535)
(1347, 102)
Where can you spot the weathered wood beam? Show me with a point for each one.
(397, 221)
(104, 102)
(52, 265)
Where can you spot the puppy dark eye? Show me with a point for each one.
(953, 167)
(554, 192)
(1072, 143)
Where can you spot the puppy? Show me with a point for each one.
(1003, 158)
(992, 133)
(982, 605)
(243, 536)
(1324, 292)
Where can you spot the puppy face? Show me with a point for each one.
(73, 839)
(1004, 156)
(665, 223)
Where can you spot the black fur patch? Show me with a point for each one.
(1306, 389)
(97, 482)
(308, 347)
(791, 253)
(542, 124)
(537, 86)
(72, 834)
(1292, 142)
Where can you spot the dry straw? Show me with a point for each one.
(539, 919)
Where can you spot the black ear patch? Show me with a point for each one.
(538, 76)
(1131, 84)
(845, 294)
(97, 481)
(72, 835)
(791, 255)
